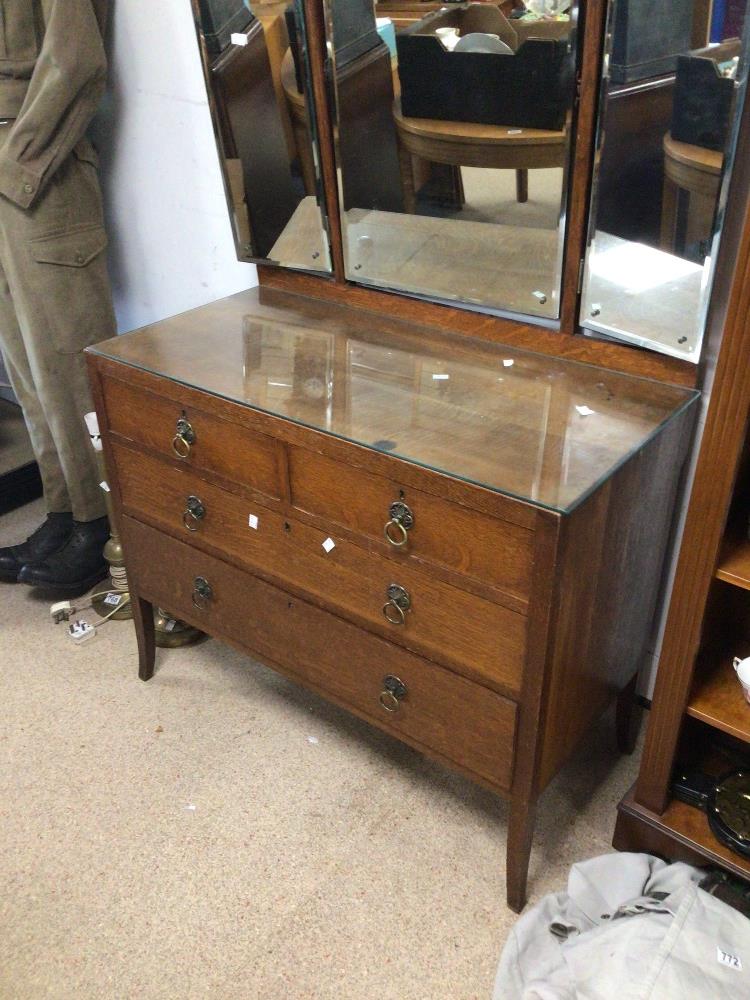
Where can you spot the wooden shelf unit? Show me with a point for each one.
(681, 832)
(698, 705)
(734, 563)
(717, 699)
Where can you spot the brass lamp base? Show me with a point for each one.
(171, 633)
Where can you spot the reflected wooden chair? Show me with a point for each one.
(692, 177)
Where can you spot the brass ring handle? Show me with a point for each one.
(190, 520)
(389, 701)
(393, 691)
(400, 540)
(202, 593)
(388, 610)
(180, 452)
(194, 512)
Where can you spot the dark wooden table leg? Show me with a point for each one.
(407, 179)
(522, 186)
(520, 833)
(143, 618)
(628, 717)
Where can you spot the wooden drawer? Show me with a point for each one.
(456, 719)
(479, 638)
(226, 449)
(489, 550)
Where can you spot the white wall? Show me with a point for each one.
(171, 245)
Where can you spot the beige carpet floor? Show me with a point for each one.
(219, 833)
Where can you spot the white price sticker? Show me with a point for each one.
(112, 599)
(329, 544)
(104, 485)
(253, 521)
(237, 38)
(731, 961)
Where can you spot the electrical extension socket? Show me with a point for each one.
(80, 631)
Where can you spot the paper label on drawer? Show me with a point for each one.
(329, 544)
(237, 38)
(253, 521)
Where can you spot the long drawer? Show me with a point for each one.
(479, 638)
(207, 444)
(491, 550)
(416, 700)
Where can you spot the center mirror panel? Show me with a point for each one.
(453, 140)
(257, 73)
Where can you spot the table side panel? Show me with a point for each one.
(612, 559)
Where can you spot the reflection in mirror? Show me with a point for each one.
(256, 69)
(453, 132)
(670, 108)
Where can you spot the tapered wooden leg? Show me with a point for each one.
(628, 717)
(520, 833)
(143, 618)
(522, 186)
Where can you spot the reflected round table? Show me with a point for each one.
(692, 176)
(466, 144)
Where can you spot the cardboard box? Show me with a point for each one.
(532, 88)
(648, 37)
(702, 109)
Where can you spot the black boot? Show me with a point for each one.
(75, 567)
(50, 536)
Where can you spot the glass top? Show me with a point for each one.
(538, 428)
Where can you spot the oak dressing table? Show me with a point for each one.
(420, 469)
(458, 541)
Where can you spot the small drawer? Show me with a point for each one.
(479, 638)
(193, 437)
(410, 697)
(414, 523)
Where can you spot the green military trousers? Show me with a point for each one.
(55, 300)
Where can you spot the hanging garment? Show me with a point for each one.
(55, 297)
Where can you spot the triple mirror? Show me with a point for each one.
(453, 126)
